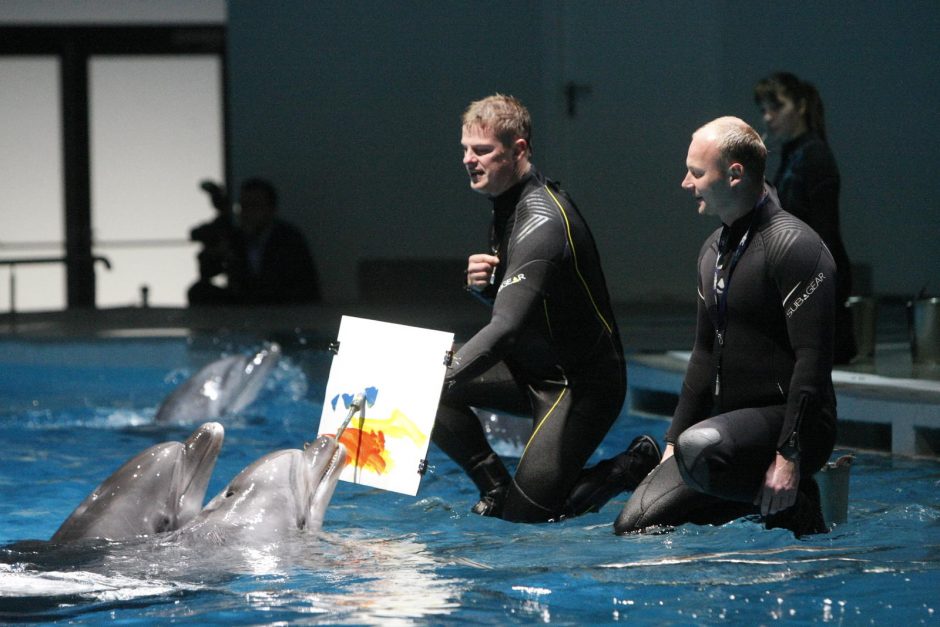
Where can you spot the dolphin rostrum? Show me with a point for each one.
(224, 386)
(158, 490)
(280, 493)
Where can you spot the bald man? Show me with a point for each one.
(756, 417)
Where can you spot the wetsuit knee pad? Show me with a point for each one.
(694, 451)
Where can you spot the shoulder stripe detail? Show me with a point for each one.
(534, 213)
(574, 254)
(531, 223)
(780, 236)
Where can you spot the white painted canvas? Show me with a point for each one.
(400, 369)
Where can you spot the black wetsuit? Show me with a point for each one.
(807, 183)
(760, 374)
(551, 350)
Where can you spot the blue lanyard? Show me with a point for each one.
(721, 287)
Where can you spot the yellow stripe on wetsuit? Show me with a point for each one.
(542, 421)
(577, 269)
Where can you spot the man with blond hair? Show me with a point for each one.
(756, 416)
(551, 349)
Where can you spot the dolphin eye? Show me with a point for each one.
(230, 494)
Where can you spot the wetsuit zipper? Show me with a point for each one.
(721, 344)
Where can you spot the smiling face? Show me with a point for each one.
(493, 166)
(706, 176)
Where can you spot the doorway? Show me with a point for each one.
(114, 130)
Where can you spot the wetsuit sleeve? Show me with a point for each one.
(804, 273)
(535, 246)
(695, 400)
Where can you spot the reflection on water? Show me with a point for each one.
(356, 579)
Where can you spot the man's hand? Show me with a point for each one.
(780, 486)
(480, 269)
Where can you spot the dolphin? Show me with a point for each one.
(280, 493)
(158, 490)
(225, 386)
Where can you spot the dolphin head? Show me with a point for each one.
(224, 386)
(279, 493)
(248, 380)
(158, 490)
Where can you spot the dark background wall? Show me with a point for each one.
(353, 110)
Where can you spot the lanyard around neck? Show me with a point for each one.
(721, 285)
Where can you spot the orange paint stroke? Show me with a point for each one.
(366, 449)
(365, 442)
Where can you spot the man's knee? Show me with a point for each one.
(694, 452)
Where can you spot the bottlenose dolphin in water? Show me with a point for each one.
(158, 490)
(225, 386)
(281, 493)
(162, 489)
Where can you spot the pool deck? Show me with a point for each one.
(888, 404)
(900, 415)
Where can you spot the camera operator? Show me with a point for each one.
(263, 259)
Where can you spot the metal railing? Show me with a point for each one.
(12, 263)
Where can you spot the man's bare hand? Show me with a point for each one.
(480, 269)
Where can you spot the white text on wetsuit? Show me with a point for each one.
(512, 280)
(810, 288)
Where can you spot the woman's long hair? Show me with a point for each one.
(770, 89)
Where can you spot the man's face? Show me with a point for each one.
(707, 177)
(492, 165)
(256, 213)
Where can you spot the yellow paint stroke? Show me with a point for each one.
(396, 427)
(365, 440)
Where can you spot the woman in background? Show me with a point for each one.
(807, 179)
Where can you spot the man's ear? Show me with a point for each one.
(735, 173)
(520, 148)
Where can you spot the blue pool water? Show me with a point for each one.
(70, 413)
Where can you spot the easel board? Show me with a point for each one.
(401, 371)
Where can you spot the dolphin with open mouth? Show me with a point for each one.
(280, 493)
(158, 490)
(162, 489)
